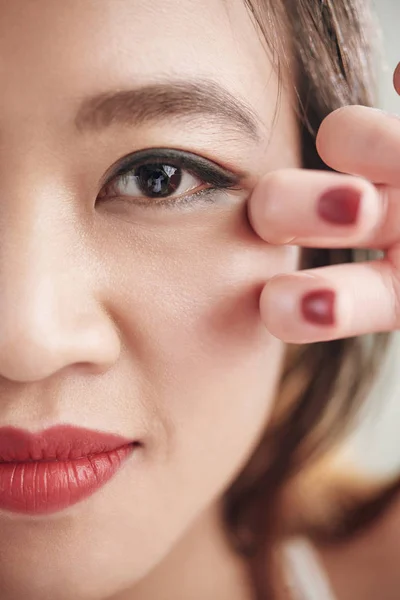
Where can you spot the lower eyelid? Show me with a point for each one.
(173, 201)
(191, 200)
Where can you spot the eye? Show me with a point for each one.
(152, 181)
(163, 176)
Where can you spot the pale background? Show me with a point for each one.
(376, 444)
(388, 12)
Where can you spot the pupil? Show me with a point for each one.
(158, 181)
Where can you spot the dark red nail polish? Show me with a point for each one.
(340, 206)
(318, 307)
(396, 78)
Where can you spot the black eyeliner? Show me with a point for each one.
(208, 171)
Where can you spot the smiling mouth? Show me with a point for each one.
(46, 472)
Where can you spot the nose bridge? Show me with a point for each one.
(49, 318)
(36, 236)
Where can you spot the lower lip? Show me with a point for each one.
(44, 487)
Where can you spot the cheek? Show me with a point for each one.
(224, 368)
(195, 332)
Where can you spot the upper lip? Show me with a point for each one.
(62, 442)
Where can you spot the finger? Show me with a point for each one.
(362, 141)
(332, 302)
(322, 209)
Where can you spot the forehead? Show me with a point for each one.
(52, 51)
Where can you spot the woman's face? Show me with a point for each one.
(130, 288)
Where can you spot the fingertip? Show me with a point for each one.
(280, 307)
(264, 205)
(323, 137)
(348, 134)
(253, 206)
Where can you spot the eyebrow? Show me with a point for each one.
(165, 100)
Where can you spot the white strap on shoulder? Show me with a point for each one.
(305, 575)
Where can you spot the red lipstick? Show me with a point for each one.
(42, 473)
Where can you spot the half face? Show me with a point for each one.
(131, 136)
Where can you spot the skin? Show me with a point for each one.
(155, 323)
(133, 320)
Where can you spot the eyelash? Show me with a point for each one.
(209, 173)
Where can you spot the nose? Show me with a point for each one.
(51, 317)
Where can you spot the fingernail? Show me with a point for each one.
(396, 78)
(318, 307)
(340, 206)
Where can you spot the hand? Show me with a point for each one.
(359, 207)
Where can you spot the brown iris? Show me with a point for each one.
(157, 180)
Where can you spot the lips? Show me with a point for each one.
(42, 473)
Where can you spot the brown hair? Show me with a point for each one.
(323, 383)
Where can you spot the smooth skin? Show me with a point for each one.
(130, 317)
(127, 316)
